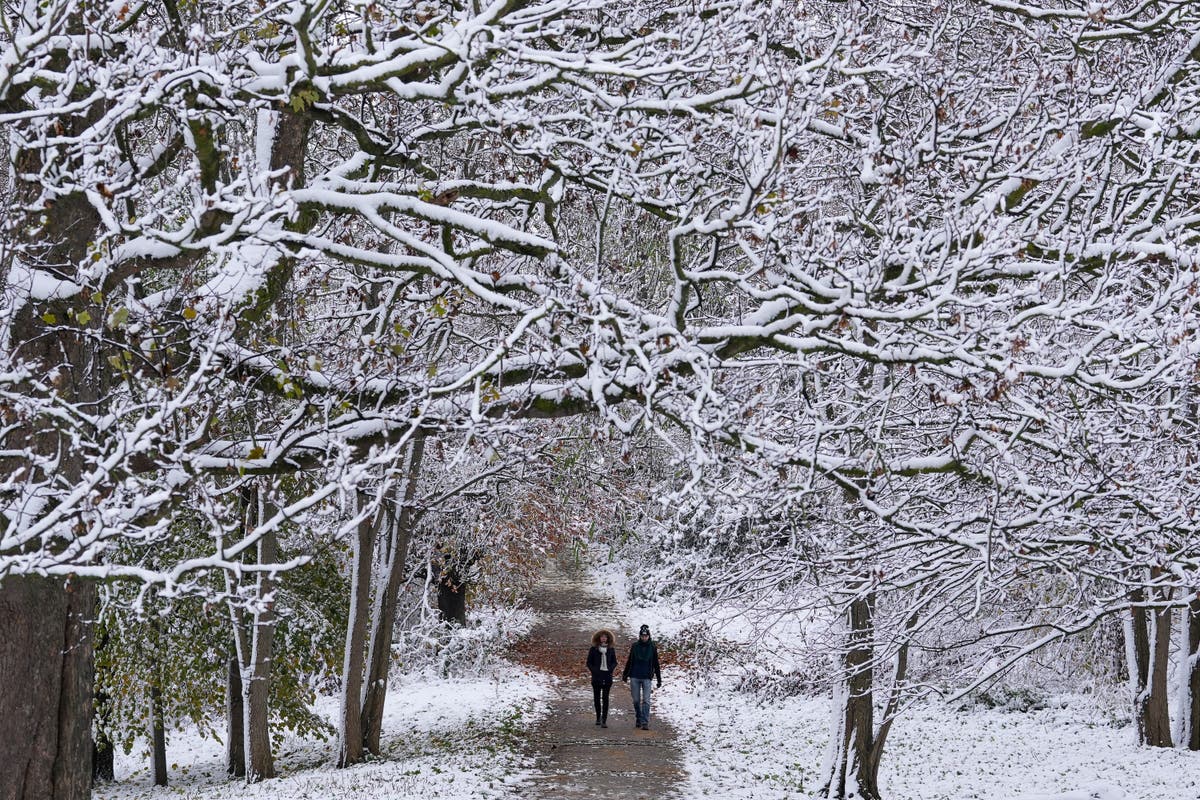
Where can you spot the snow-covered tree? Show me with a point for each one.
(251, 238)
(914, 257)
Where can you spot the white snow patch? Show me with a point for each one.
(442, 738)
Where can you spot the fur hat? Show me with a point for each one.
(603, 632)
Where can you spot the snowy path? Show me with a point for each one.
(574, 757)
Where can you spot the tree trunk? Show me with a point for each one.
(1189, 696)
(46, 647)
(395, 551)
(452, 595)
(853, 762)
(1148, 641)
(895, 696)
(1137, 657)
(46, 693)
(103, 757)
(235, 738)
(158, 738)
(255, 643)
(1158, 714)
(256, 673)
(350, 744)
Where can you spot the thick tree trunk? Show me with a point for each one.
(158, 738)
(856, 748)
(1158, 713)
(395, 556)
(350, 744)
(46, 647)
(853, 762)
(46, 691)
(235, 730)
(1137, 657)
(1148, 641)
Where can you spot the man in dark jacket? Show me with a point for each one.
(640, 667)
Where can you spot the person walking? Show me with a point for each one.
(602, 663)
(640, 667)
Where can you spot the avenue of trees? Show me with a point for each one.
(902, 299)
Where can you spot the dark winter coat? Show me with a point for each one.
(602, 678)
(642, 667)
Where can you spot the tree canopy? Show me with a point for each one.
(936, 261)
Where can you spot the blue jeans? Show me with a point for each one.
(640, 688)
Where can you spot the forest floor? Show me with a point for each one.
(572, 755)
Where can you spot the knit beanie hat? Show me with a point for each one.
(644, 629)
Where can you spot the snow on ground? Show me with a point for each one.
(443, 738)
(736, 746)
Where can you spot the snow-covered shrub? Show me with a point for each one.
(432, 645)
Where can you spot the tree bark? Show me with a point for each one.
(1158, 713)
(350, 745)
(452, 590)
(1137, 656)
(895, 696)
(46, 694)
(399, 534)
(46, 647)
(1189, 698)
(235, 738)
(1148, 641)
(255, 644)
(158, 738)
(256, 674)
(103, 756)
(854, 758)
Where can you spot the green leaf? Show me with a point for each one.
(83, 318)
(303, 98)
(257, 452)
(49, 318)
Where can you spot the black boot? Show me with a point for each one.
(604, 721)
(597, 719)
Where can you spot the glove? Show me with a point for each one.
(624, 679)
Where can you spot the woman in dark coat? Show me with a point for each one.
(602, 663)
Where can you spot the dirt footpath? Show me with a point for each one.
(575, 757)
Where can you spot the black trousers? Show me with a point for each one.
(600, 690)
